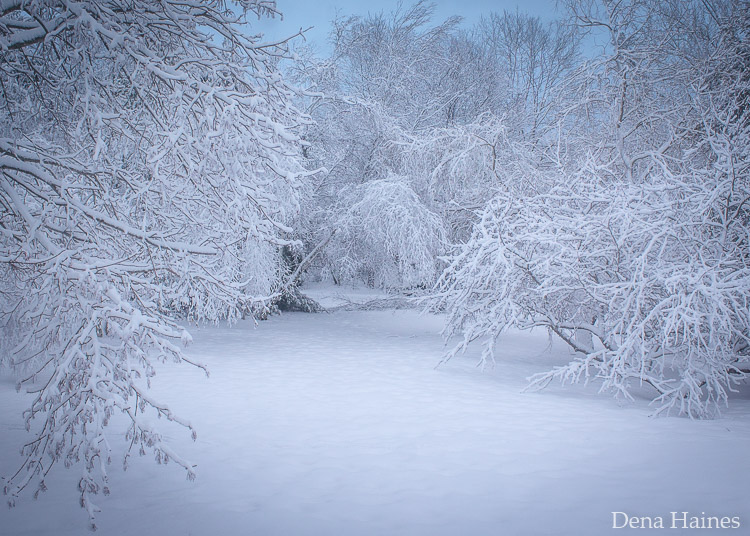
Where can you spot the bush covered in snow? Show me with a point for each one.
(388, 236)
(633, 247)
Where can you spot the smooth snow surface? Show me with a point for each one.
(340, 424)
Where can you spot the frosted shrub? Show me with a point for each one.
(629, 239)
(391, 234)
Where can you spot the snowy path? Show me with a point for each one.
(339, 424)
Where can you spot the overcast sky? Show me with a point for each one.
(305, 13)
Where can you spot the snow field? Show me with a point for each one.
(341, 424)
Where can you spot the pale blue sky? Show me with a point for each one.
(304, 13)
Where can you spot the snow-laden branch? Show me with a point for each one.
(149, 172)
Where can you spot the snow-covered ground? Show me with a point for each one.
(340, 424)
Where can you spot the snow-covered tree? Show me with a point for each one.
(386, 236)
(526, 60)
(383, 82)
(402, 61)
(148, 171)
(628, 237)
(460, 169)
